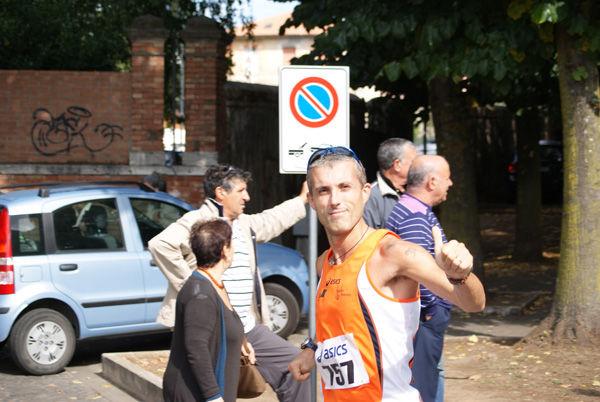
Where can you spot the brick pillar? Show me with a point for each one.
(147, 37)
(205, 74)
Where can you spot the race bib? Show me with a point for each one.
(340, 363)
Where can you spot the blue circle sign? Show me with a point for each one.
(314, 102)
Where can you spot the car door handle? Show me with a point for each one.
(68, 267)
(153, 264)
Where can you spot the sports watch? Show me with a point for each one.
(308, 343)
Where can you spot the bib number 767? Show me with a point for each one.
(340, 363)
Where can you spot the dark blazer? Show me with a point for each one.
(196, 347)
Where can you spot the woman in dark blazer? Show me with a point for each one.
(204, 364)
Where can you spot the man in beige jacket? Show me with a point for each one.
(225, 188)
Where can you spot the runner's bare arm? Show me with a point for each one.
(414, 262)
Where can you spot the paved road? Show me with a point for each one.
(81, 381)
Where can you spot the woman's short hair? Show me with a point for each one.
(207, 240)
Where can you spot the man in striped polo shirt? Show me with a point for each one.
(412, 218)
(225, 188)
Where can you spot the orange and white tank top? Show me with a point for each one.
(364, 337)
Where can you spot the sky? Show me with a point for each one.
(268, 8)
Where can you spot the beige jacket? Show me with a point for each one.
(172, 253)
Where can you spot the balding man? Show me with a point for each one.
(412, 219)
(394, 157)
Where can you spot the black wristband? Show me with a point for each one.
(459, 281)
(308, 343)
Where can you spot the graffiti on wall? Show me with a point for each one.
(51, 136)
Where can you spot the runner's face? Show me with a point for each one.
(338, 197)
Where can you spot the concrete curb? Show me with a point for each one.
(140, 383)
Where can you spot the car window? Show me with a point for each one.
(88, 225)
(27, 235)
(152, 216)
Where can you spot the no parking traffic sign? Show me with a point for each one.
(313, 113)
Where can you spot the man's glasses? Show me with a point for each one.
(320, 153)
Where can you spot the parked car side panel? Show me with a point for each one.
(104, 281)
(276, 260)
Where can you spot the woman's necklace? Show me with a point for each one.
(332, 262)
(221, 286)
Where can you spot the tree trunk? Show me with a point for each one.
(459, 214)
(528, 239)
(576, 305)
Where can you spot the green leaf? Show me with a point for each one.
(432, 73)
(464, 65)
(411, 22)
(444, 67)
(518, 56)
(578, 24)
(392, 71)
(595, 43)
(430, 34)
(516, 9)
(580, 73)
(484, 67)
(499, 70)
(546, 33)
(367, 31)
(497, 51)
(398, 29)
(504, 87)
(545, 12)
(473, 29)
(447, 27)
(469, 68)
(382, 29)
(410, 68)
(340, 40)
(422, 59)
(353, 33)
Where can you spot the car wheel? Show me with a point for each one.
(283, 309)
(42, 342)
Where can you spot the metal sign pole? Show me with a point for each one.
(312, 290)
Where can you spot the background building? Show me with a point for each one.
(256, 60)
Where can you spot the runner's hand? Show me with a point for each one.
(301, 366)
(453, 257)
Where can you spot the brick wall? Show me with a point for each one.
(61, 126)
(65, 117)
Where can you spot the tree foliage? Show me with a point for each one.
(89, 35)
(502, 51)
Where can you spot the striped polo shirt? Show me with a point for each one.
(412, 220)
(238, 279)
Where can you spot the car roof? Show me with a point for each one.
(31, 200)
